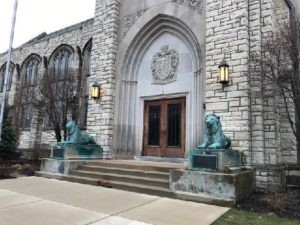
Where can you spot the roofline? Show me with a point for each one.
(43, 36)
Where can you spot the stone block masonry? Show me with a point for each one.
(43, 45)
(234, 30)
(227, 37)
(103, 66)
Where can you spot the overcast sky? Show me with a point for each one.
(37, 16)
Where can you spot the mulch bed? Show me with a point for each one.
(285, 205)
(11, 169)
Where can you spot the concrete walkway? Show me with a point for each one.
(41, 201)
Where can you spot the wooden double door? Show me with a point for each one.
(164, 128)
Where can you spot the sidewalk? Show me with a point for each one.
(41, 201)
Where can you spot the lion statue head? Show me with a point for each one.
(214, 137)
(212, 123)
(73, 132)
(71, 127)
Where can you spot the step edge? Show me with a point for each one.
(124, 169)
(126, 184)
(121, 175)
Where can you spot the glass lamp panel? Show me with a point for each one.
(95, 92)
(222, 73)
(226, 74)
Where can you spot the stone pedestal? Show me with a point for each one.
(59, 167)
(217, 175)
(214, 160)
(216, 186)
(74, 151)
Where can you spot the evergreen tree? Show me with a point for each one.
(8, 143)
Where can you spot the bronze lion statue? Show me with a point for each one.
(214, 137)
(75, 136)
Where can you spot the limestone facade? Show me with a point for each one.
(126, 34)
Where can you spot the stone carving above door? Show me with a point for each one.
(197, 5)
(129, 20)
(164, 65)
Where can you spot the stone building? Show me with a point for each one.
(157, 64)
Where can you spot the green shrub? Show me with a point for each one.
(8, 143)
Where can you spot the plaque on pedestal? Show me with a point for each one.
(213, 160)
(205, 162)
(57, 153)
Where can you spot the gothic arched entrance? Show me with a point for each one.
(159, 100)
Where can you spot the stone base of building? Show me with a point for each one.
(270, 177)
(235, 187)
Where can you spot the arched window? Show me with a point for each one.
(60, 62)
(63, 83)
(10, 74)
(87, 59)
(30, 69)
(86, 71)
(29, 76)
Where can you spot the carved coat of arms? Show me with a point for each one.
(164, 65)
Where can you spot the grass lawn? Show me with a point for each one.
(240, 217)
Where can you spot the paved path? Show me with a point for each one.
(41, 201)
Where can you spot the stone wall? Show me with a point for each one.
(270, 178)
(287, 138)
(101, 111)
(44, 45)
(273, 141)
(227, 36)
(234, 31)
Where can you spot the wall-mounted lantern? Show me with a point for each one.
(95, 90)
(223, 72)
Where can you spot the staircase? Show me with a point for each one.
(293, 177)
(143, 177)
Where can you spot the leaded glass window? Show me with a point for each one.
(60, 62)
(29, 77)
(10, 74)
(84, 83)
(31, 70)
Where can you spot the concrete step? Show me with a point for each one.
(145, 189)
(140, 188)
(130, 172)
(82, 180)
(136, 165)
(108, 177)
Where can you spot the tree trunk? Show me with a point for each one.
(298, 129)
(57, 133)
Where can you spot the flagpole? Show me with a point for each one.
(8, 65)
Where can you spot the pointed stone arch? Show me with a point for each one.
(61, 60)
(128, 133)
(34, 61)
